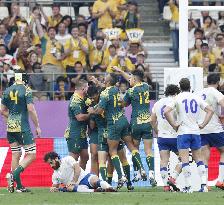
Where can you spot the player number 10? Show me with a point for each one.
(193, 105)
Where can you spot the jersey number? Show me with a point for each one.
(162, 112)
(14, 96)
(117, 100)
(192, 104)
(144, 95)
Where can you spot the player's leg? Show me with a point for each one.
(197, 156)
(125, 164)
(102, 157)
(205, 152)
(84, 155)
(137, 175)
(73, 144)
(78, 188)
(110, 170)
(94, 159)
(183, 145)
(164, 159)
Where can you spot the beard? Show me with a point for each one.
(57, 165)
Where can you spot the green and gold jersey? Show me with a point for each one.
(16, 98)
(77, 105)
(110, 103)
(138, 97)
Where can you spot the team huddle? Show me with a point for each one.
(182, 120)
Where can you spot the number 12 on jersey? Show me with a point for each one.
(144, 97)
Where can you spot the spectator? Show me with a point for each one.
(196, 49)
(93, 23)
(61, 89)
(61, 36)
(121, 6)
(191, 36)
(200, 21)
(109, 56)
(82, 30)
(97, 52)
(56, 17)
(122, 62)
(197, 59)
(7, 71)
(218, 49)
(174, 27)
(4, 34)
(32, 59)
(123, 88)
(37, 82)
(205, 64)
(80, 19)
(104, 11)
(220, 21)
(76, 49)
(5, 57)
(133, 49)
(67, 20)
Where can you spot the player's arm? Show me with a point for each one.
(125, 75)
(169, 117)
(208, 116)
(33, 114)
(77, 171)
(82, 117)
(154, 121)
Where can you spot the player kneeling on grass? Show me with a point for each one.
(67, 171)
(167, 138)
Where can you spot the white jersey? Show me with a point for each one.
(212, 97)
(65, 173)
(188, 106)
(165, 130)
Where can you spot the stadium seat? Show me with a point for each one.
(47, 10)
(3, 12)
(68, 11)
(214, 14)
(84, 10)
(25, 12)
(45, 1)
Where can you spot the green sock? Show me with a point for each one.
(16, 176)
(109, 179)
(116, 162)
(103, 172)
(137, 157)
(135, 165)
(127, 173)
(150, 162)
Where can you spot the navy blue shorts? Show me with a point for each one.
(213, 139)
(86, 180)
(167, 144)
(187, 141)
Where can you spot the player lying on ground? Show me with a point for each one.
(187, 106)
(67, 171)
(213, 135)
(167, 137)
(17, 106)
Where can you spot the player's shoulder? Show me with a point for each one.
(107, 91)
(67, 159)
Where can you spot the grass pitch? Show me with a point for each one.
(141, 196)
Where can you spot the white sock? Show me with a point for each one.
(84, 188)
(175, 174)
(164, 175)
(206, 172)
(221, 171)
(202, 172)
(187, 175)
(104, 185)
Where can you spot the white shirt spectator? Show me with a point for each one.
(62, 39)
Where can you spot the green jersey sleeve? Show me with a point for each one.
(104, 97)
(29, 96)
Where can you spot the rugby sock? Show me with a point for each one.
(135, 165)
(83, 188)
(103, 184)
(126, 168)
(187, 174)
(175, 174)
(221, 171)
(16, 176)
(164, 175)
(150, 162)
(137, 157)
(103, 171)
(109, 178)
(116, 162)
(202, 172)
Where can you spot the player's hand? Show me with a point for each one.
(38, 132)
(91, 110)
(117, 69)
(201, 126)
(221, 118)
(53, 189)
(176, 127)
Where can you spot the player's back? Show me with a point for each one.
(110, 97)
(188, 109)
(165, 130)
(16, 98)
(139, 99)
(212, 97)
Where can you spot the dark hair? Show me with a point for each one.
(204, 44)
(196, 40)
(82, 24)
(78, 63)
(212, 67)
(99, 39)
(208, 17)
(113, 79)
(220, 17)
(198, 30)
(35, 8)
(139, 74)
(3, 45)
(172, 90)
(213, 78)
(51, 155)
(92, 90)
(112, 46)
(185, 84)
(67, 17)
(34, 66)
(141, 65)
(61, 78)
(55, 5)
(51, 27)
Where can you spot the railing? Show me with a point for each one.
(48, 89)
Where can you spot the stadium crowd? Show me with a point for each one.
(64, 50)
(206, 2)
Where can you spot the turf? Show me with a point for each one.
(140, 196)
